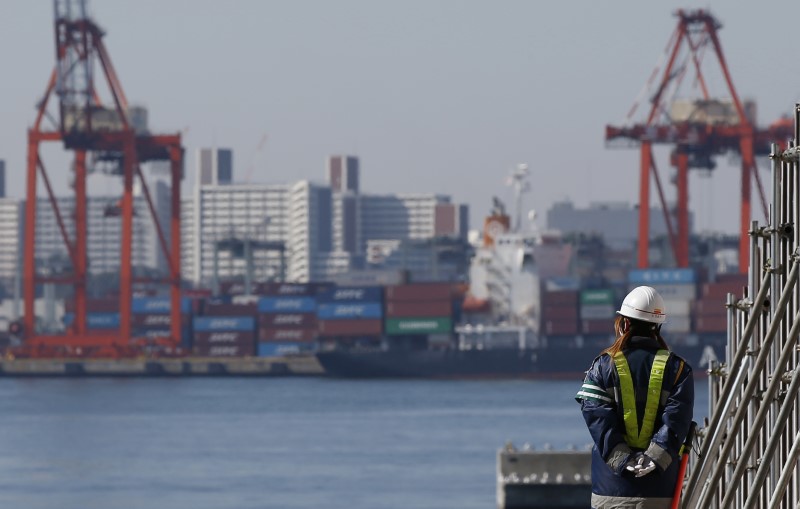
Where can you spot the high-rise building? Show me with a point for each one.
(214, 166)
(11, 228)
(2, 179)
(410, 216)
(224, 218)
(310, 232)
(104, 232)
(343, 174)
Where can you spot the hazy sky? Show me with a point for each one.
(433, 96)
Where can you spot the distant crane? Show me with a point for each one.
(116, 137)
(699, 130)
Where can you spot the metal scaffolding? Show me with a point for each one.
(748, 453)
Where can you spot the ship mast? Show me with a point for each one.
(518, 179)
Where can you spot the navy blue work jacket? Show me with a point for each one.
(601, 404)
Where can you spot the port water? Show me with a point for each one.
(200, 443)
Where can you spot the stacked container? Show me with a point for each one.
(560, 312)
(710, 313)
(102, 315)
(597, 311)
(678, 288)
(287, 321)
(420, 309)
(224, 336)
(150, 318)
(350, 312)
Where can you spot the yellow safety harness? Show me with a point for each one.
(634, 437)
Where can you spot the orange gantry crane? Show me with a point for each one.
(699, 130)
(117, 136)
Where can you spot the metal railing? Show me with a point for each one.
(749, 451)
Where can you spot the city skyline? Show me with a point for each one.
(431, 98)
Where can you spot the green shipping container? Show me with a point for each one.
(400, 326)
(593, 297)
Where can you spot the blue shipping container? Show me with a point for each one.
(278, 349)
(223, 323)
(95, 320)
(147, 305)
(352, 294)
(661, 276)
(350, 310)
(287, 304)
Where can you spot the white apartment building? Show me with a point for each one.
(11, 228)
(224, 218)
(104, 235)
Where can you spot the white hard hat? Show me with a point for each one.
(645, 304)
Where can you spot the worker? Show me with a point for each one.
(637, 400)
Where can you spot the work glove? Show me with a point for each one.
(644, 465)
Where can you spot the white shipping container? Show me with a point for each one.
(678, 307)
(676, 324)
(674, 292)
(598, 312)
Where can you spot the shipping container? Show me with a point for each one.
(225, 309)
(350, 328)
(241, 350)
(675, 307)
(677, 324)
(654, 277)
(420, 292)
(710, 307)
(566, 313)
(419, 325)
(597, 327)
(283, 348)
(598, 312)
(223, 323)
(290, 320)
(161, 304)
(107, 305)
(349, 310)
(558, 327)
(95, 320)
(597, 297)
(720, 291)
(153, 320)
(287, 305)
(223, 337)
(711, 324)
(291, 289)
(401, 309)
(674, 292)
(351, 294)
(560, 298)
(560, 283)
(299, 335)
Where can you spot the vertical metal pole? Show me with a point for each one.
(81, 235)
(683, 209)
(29, 256)
(176, 166)
(126, 273)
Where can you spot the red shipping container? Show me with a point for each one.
(224, 337)
(350, 327)
(555, 313)
(711, 324)
(301, 335)
(710, 307)
(222, 309)
(420, 292)
(108, 305)
(405, 309)
(605, 326)
(235, 350)
(561, 328)
(720, 291)
(560, 298)
(302, 320)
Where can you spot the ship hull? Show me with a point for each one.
(552, 363)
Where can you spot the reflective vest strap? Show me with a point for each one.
(633, 436)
